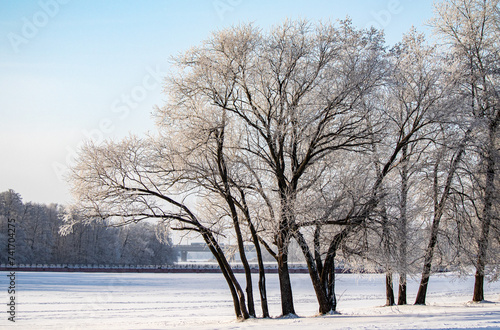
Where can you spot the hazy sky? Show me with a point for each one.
(77, 69)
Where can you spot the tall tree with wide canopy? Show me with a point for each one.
(295, 91)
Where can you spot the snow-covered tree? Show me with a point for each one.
(418, 91)
(471, 29)
(138, 179)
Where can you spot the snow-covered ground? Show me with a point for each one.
(202, 301)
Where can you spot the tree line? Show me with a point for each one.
(320, 134)
(37, 238)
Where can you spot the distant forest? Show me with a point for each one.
(38, 240)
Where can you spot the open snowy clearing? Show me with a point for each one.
(202, 301)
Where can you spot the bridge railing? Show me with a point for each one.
(237, 267)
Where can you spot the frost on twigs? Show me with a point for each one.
(71, 217)
(162, 232)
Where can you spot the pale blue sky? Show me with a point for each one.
(70, 69)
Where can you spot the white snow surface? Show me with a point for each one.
(203, 301)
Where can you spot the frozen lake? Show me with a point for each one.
(202, 301)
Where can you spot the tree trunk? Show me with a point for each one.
(246, 266)
(262, 273)
(403, 228)
(226, 192)
(282, 242)
(319, 287)
(489, 192)
(317, 249)
(285, 284)
(438, 213)
(328, 273)
(234, 286)
(234, 294)
(332, 298)
(402, 290)
(429, 253)
(478, 287)
(389, 291)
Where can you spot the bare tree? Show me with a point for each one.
(472, 30)
(135, 180)
(295, 93)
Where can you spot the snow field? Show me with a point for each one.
(202, 301)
